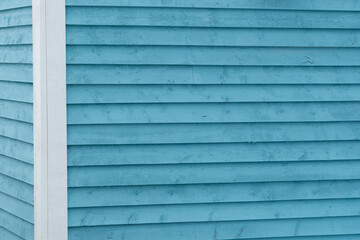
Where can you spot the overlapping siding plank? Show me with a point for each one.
(227, 230)
(312, 5)
(211, 193)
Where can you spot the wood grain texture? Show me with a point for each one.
(17, 189)
(16, 225)
(99, 155)
(132, 16)
(260, 192)
(231, 56)
(6, 234)
(102, 176)
(211, 133)
(15, 17)
(16, 73)
(213, 113)
(13, 4)
(202, 93)
(343, 5)
(182, 36)
(16, 169)
(213, 119)
(227, 230)
(10, 148)
(214, 75)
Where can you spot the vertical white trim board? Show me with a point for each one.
(50, 146)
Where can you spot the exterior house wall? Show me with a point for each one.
(186, 120)
(213, 120)
(16, 117)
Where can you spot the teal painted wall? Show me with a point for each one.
(213, 119)
(16, 113)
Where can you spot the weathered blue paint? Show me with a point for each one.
(16, 116)
(209, 119)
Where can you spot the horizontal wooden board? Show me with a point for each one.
(119, 74)
(212, 173)
(79, 94)
(211, 133)
(211, 193)
(341, 5)
(15, 17)
(179, 36)
(16, 35)
(16, 72)
(213, 112)
(225, 230)
(190, 17)
(10, 148)
(17, 189)
(16, 54)
(212, 212)
(212, 153)
(19, 111)
(231, 56)
(16, 225)
(327, 237)
(17, 169)
(18, 208)
(15, 91)
(11, 4)
(16, 130)
(6, 234)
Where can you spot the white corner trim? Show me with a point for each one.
(50, 145)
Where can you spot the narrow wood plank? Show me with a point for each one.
(212, 153)
(226, 230)
(16, 54)
(118, 74)
(80, 94)
(179, 36)
(211, 173)
(342, 5)
(231, 56)
(327, 237)
(211, 193)
(210, 133)
(274, 210)
(189, 17)
(19, 111)
(11, 4)
(16, 72)
(15, 91)
(16, 35)
(213, 113)
(15, 17)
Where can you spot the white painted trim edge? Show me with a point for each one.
(50, 144)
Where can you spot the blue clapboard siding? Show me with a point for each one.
(16, 117)
(213, 119)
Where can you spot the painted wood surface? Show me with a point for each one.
(16, 110)
(213, 119)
